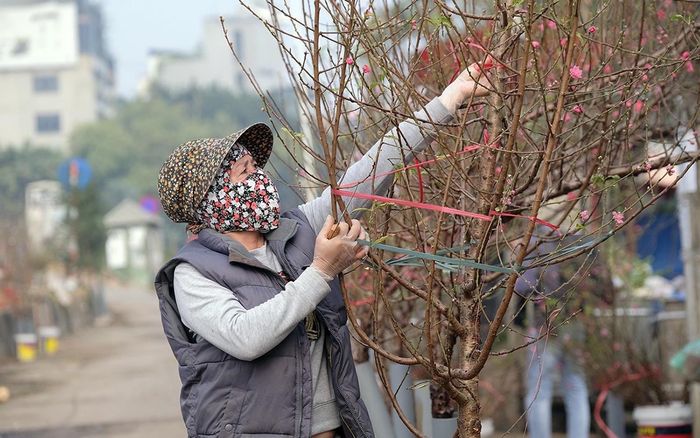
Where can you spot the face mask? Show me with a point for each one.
(249, 205)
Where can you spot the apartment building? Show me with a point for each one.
(55, 71)
(213, 64)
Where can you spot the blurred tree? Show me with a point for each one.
(87, 227)
(18, 167)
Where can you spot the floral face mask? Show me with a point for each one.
(249, 205)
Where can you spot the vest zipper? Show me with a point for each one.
(264, 268)
(330, 367)
(283, 281)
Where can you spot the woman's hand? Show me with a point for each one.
(471, 81)
(334, 252)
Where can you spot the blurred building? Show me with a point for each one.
(55, 71)
(134, 247)
(213, 64)
(44, 213)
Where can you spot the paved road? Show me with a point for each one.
(116, 381)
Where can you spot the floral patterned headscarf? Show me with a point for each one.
(249, 205)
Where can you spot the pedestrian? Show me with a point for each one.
(252, 306)
(558, 292)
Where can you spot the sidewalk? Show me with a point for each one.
(117, 381)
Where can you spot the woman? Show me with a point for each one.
(252, 307)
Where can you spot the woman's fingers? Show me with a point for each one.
(355, 230)
(476, 82)
(327, 228)
(363, 236)
(343, 228)
(348, 232)
(362, 252)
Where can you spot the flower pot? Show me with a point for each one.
(373, 399)
(664, 421)
(423, 407)
(49, 336)
(444, 427)
(26, 347)
(401, 383)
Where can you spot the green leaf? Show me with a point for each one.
(680, 17)
(295, 134)
(598, 180)
(381, 239)
(419, 385)
(612, 181)
(440, 21)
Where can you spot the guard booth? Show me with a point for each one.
(134, 246)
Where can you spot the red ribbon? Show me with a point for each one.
(405, 203)
(421, 192)
(422, 205)
(532, 218)
(362, 302)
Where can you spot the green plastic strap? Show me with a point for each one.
(413, 260)
(570, 250)
(447, 261)
(453, 264)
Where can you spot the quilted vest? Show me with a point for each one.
(271, 396)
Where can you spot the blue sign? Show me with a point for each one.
(149, 203)
(75, 173)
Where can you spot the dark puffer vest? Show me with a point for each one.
(271, 396)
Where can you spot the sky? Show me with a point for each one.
(133, 27)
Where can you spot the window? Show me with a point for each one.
(48, 123)
(45, 83)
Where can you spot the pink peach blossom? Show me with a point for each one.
(366, 69)
(349, 60)
(535, 44)
(592, 30)
(576, 72)
(577, 109)
(585, 215)
(618, 217)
